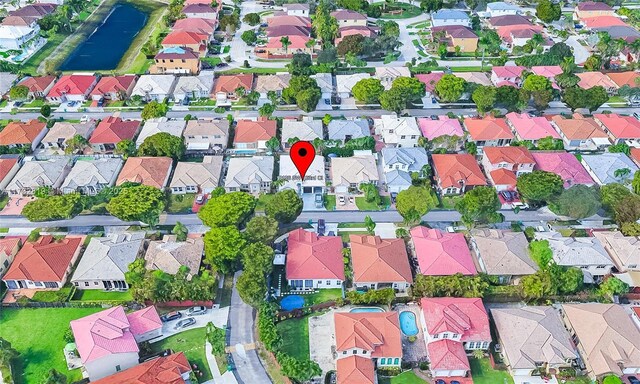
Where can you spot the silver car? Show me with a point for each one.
(197, 310)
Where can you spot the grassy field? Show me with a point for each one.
(323, 296)
(258, 71)
(31, 65)
(295, 337)
(181, 203)
(364, 205)
(407, 377)
(97, 295)
(482, 373)
(190, 342)
(37, 334)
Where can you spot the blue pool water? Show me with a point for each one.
(408, 323)
(366, 309)
(292, 302)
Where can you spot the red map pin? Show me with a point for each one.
(302, 154)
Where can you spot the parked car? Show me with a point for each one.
(84, 118)
(352, 200)
(18, 104)
(319, 202)
(434, 117)
(221, 65)
(200, 199)
(341, 200)
(633, 380)
(506, 196)
(636, 115)
(197, 310)
(393, 197)
(321, 226)
(185, 323)
(175, 315)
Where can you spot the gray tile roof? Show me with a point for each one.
(604, 166)
(576, 251)
(108, 258)
(92, 173)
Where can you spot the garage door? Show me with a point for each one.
(307, 189)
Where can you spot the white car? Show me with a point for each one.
(341, 200)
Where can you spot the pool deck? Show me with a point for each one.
(417, 350)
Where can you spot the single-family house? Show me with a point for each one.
(114, 88)
(207, 135)
(34, 267)
(288, 30)
(479, 78)
(345, 130)
(345, 83)
(488, 132)
(106, 260)
(387, 75)
(314, 180)
(313, 262)
(297, 21)
(176, 60)
(61, 132)
(275, 49)
(112, 130)
(441, 253)
(503, 254)
(597, 79)
(445, 17)
(399, 163)
(190, 177)
(623, 250)
(620, 128)
(169, 255)
(306, 129)
(397, 131)
(226, 87)
(38, 86)
(175, 367)
(193, 87)
(296, 9)
(18, 134)
(501, 8)
(252, 135)
(548, 71)
(272, 83)
(9, 166)
(18, 33)
(455, 37)
(347, 173)
(380, 263)
(349, 18)
(325, 82)
(196, 41)
(580, 132)
(630, 78)
(586, 253)
(151, 171)
(530, 128)
(564, 164)
(152, 127)
(456, 173)
(587, 9)
(154, 87)
(249, 174)
(430, 80)
(634, 154)
(35, 174)
(72, 88)
(196, 24)
(200, 11)
(507, 75)
(9, 247)
(442, 133)
(508, 20)
(607, 168)
(503, 165)
(91, 176)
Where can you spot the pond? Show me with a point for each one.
(104, 48)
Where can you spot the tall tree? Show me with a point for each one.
(285, 206)
(232, 208)
(450, 88)
(222, 248)
(481, 205)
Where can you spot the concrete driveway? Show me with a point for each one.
(217, 316)
(580, 52)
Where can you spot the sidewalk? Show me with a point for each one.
(225, 378)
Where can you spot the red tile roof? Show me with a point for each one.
(299, 21)
(249, 131)
(113, 130)
(229, 83)
(376, 332)
(489, 128)
(503, 177)
(621, 127)
(508, 71)
(594, 6)
(296, 42)
(184, 38)
(72, 85)
(144, 320)
(195, 24)
(511, 155)
(451, 168)
(430, 80)
(379, 260)
(441, 253)
(43, 260)
(634, 155)
(8, 244)
(629, 78)
(531, 128)
(464, 316)
(113, 84)
(603, 21)
(6, 165)
(18, 132)
(563, 164)
(500, 21)
(355, 370)
(310, 256)
(579, 127)
(151, 171)
(37, 83)
(163, 370)
(447, 355)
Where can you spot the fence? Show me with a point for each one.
(57, 304)
(181, 304)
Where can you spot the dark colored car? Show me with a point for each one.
(393, 197)
(185, 323)
(321, 227)
(221, 65)
(197, 310)
(633, 380)
(175, 315)
(440, 381)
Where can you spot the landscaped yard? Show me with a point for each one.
(60, 295)
(263, 199)
(407, 377)
(295, 337)
(345, 235)
(98, 295)
(330, 202)
(37, 334)
(364, 205)
(190, 342)
(617, 100)
(4, 199)
(482, 373)
(323, 296)
(224, 295)
(181, 203)
(408, 10)
(351, 225)
(449, 202)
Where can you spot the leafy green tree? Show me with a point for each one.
(273, 144)
(369, 224)
(249, 37)
(257, 260)
(135, 272)
(630, 229)
(7, 353)
(627, 210)
(393, 100)
(537, 285)
(414, 202)
(222, 248)
(181, 231)
(43, 192)
(154, 110)
(373, 296)
(351, 44)
(431, 5)
(303, 91)
(550, 144)
(296, 369)
(412, 88)
(252, 19)
(539, 186)
(45, 110)
(593, 63)
(368, 90)
(59, 207)
(450, 88)
(261, 229)
(612, 379)
(125, 148)
(267, 331)
(548, 11)
(137, 203)
(232, 208)
(471, 148)
(484, 97)
(308, 99)
(571, 280)
(252, 288)
(163, 144)
(481, 204)
(54, 377)
(596, 96)
(511, 98)
(577, 202)
(456, 285)
(285, 206)
(541, 253)
(19, 92)
(325, 25)
(75, 144)
(354, 5)
(613, 286)
(266, 110)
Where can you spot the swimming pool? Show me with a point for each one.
(408, 323)
(292, 302)
(366, 309)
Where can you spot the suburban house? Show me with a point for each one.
(365, 341)
(455, 174)
(488, 132)
(345, 83)
(479, 78)
(38, 86)
(445, 17)
(177, 60)
(503, 254)
(429, 80)
(9, 247)
(175, 367)
(548, 71)
(347, 173)
(607, 168)
(614, 348)
(387, 75)
(193, 87)
(345, 130)
(397, 131)
(106, 260)
(508, 20)
(451, 327)
(586, 253)
(151, 171)
(23, 135)
(380, 263)
(500, 8)
(534, 341)
(297, 21)
(288, 30)
(9, 166)
(314, 181)
(111, 131)
(91, 176)
(455, 37)
(249, 174)
(169, 255)
(580, 133)
(589, 9)
(503, 165)
(154, 87)
(114, 88)
(530, 128)
(252, 135)
(623, 250)
(226, 87)
(190, 177)
(195, 41)
(200, 11)
(621, 79)
(107, 341)
(349, 18)
(307, 129)
(325, 82)
(399, 163)
(72, 88)
(564, 164)
(271, 83)
(34, 268)
(296, 9)
(20, 34)
(314, 262)
(35, 174)
(441, 253)
(151, 127)
(507, 75)
(597, 79)
(207, 135)
(61, 131)
(621, 129)
(297, 44)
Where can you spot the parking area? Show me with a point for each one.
(310, 204)
(217, 316)
(15, 205)
(346, 202)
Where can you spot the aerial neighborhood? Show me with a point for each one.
(331, 191)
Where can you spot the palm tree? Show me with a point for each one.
(568, 65)
(284, 40)
(621, 173)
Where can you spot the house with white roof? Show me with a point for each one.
(399, 163)
(61, 131)
(191, 177)
(193, 87)
(89, 177)
(35, 174)
(314, 180)
(386, 75)
(623, 250)
(347, 173)
(345, 83)
(249, 174)
(151, 127)
(397, 131)
(206, 135)
(345, 130)
(325, 82)
(607, 168)
(154, 87)
(306, 129)
(500, 8)
(444, 17)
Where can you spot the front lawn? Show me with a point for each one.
(330, 202)
(408, 11)
(449, 202)
(351, 225)
(224, 295)
(407, 377)
(190, 342)
(98, 295)
(345, 234)
(4, 199)
(60, 295)
(263, 199)
(213, 61)
(364, 205)
(295, 337)
(482, 373)
(323, 296)
(37, 334)
(181, 203)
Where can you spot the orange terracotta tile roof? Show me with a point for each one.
(113, 130)
(229, 83)
(6, 165)
(377, 332)
(163, 370)
(629, 78)
(579, 127)
(37, 83)
(296, 42)
(379, 260)
(310, 256)
(72, 85)
(195, 24)
(43, 260)
(621, 127)
(151, 171)
(503, 177)
(249, 131)
(8, 244)
(451, 168)
(113, 84)
(593, 79)
(488, 128)
(635, 155)
(512, 155)
(21, 133)
(184, 38)
(355, 370)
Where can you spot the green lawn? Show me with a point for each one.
(37, 103)
(212, 60)
(330, 202)
(364, 205)
(31, 65)
(60, 295)
(37, 334)
(482, 373)
(345, 235)
(351, 225)
(190, 342)
(407, 377)
(577, 380)
(203, 102)
(323, 296)
(263, 199)
(180, 203)
(617, 100)
(98, 295)
(224, 295)
(449, 202)
(408, 11)
(295, 337)
(4, 199)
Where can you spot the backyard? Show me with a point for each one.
(180, 203)
(98, 295)
(322, 296)
(190, 342)
(26, 328)
(483, 373)
(295, 337)
(407, 377)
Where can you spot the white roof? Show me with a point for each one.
(502, 6)
(6, 81)
(92, 172)
(163, 124)
(624, 250)
(339, 129)
(34, 174)
(392, 127)
(576, 251)
(108, 258)
(414, 158)
(353, 170)
(203, 175)
(14, 32)
(154, 85)
(65, 130)
(188, 84)
(346, 82)
(249, 170)
(313, 178)
(605, 165)
(325, 82)
(305, 130)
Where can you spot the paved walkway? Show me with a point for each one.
(225, 378)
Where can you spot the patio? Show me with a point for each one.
(322, 341)
(417, 350)
(15, 205)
